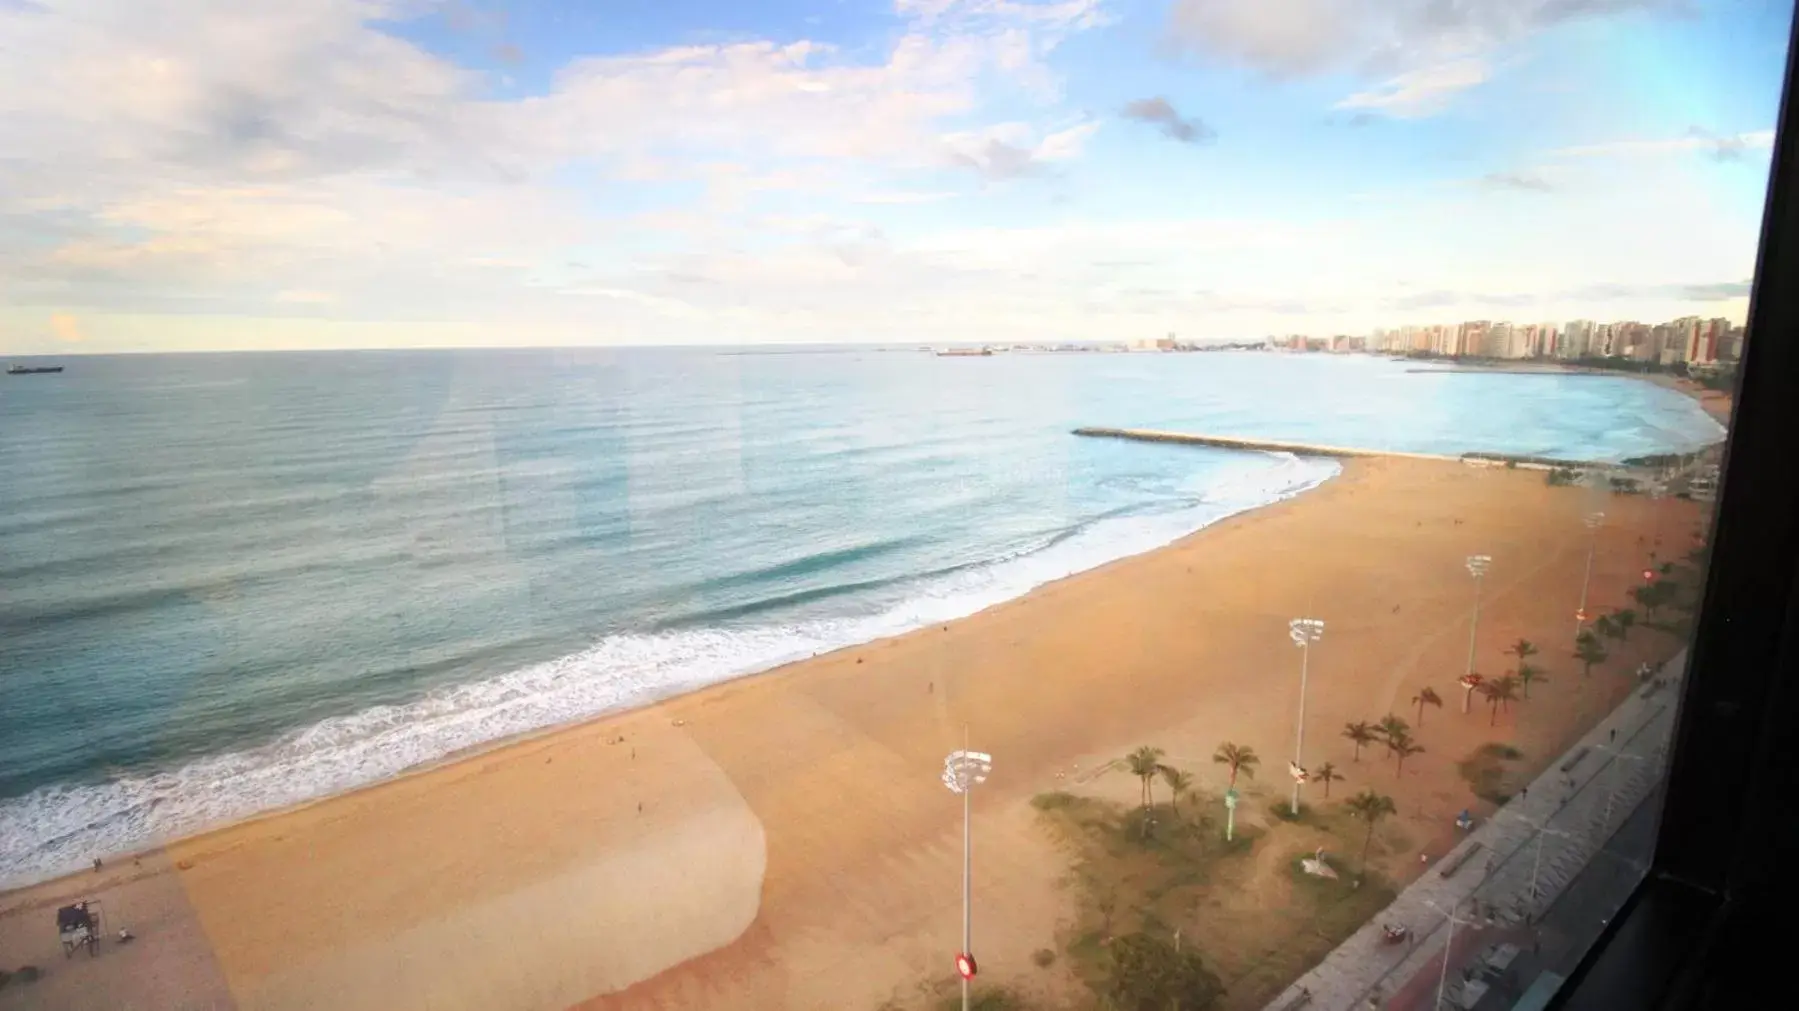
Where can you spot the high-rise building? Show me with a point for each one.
(1498, 341)
(1706, 342)
(1577, 339)
(1731, 347)
(1631, 340)
(1471, 337)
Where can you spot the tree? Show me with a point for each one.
(1523, 649)
(1146, 973)
(1506, 687)
(1145, 763)
(1362, 733)
(1655, 596)
(1240, 757)
(1604, 626)
(1426, 697)
(1327, 774)
(1402, 748)
(1392, 727)
(1178, 783)
(1589, 651)
(1370, 807)
(1499, 691)
(1623, 620)
(1527, 676)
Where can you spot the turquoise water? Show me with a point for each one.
(229, 583)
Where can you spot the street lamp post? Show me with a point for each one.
(1611, 795)
(1656, 494)
(1448, 947)
(1304, 632)
(962, 771)
(1592, 520)
(1477, 567)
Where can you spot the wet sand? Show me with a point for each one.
(782, 841)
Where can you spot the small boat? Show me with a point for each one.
(32, 370)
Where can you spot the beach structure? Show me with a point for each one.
(78, 926)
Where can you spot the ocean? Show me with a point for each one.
(230, 583)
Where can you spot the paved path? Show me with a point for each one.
(1545, 835)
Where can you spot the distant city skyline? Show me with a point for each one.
(213, 175)
(1687, 340)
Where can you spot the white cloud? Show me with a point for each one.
(210, 155)
(1723, 147)
(295, 296)
(1009, 150)
(174, 163)
(1420, 92)
(1422, 48)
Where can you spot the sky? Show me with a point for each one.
(218, 175)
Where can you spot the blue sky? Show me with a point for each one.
(200, 174)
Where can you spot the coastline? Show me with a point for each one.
(824, 768)
(1310, 477)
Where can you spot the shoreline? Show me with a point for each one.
(790, 794)
(479, 749)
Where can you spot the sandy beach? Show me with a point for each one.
(782, 841)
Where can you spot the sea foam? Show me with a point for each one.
(58, 829)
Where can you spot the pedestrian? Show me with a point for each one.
(1614, 735)
(1524, 793)
(640, 807)
(633, 754)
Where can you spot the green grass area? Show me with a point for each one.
(1244, 906)
(1491, 773)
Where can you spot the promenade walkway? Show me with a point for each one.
(1522, 859)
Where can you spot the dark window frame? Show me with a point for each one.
(1706, 926)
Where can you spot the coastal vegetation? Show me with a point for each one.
(1361, 733)
(1426, 696)
(1168, 912)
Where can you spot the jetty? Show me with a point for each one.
(1314, 449)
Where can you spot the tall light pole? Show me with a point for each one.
(1536, 862)
(1477, 567)
(1611, 796)
(962, 771)
(1448, 947)
(1592, 520)
(1303, 632)
(1656, 493)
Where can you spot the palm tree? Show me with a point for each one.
(1391, 727)
(1327, 774)
(1426, 697)
(1589, 651)
(1498, 693)
(1654, 596)
(1507, 689)
(1362, 733)
(1145, 763)
(1240, 757)
(1527, 676)
(1178, 783)
(1371, 807)
(1623, 620)
(1609, 626)
(1523, 649)
(1402, 748)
